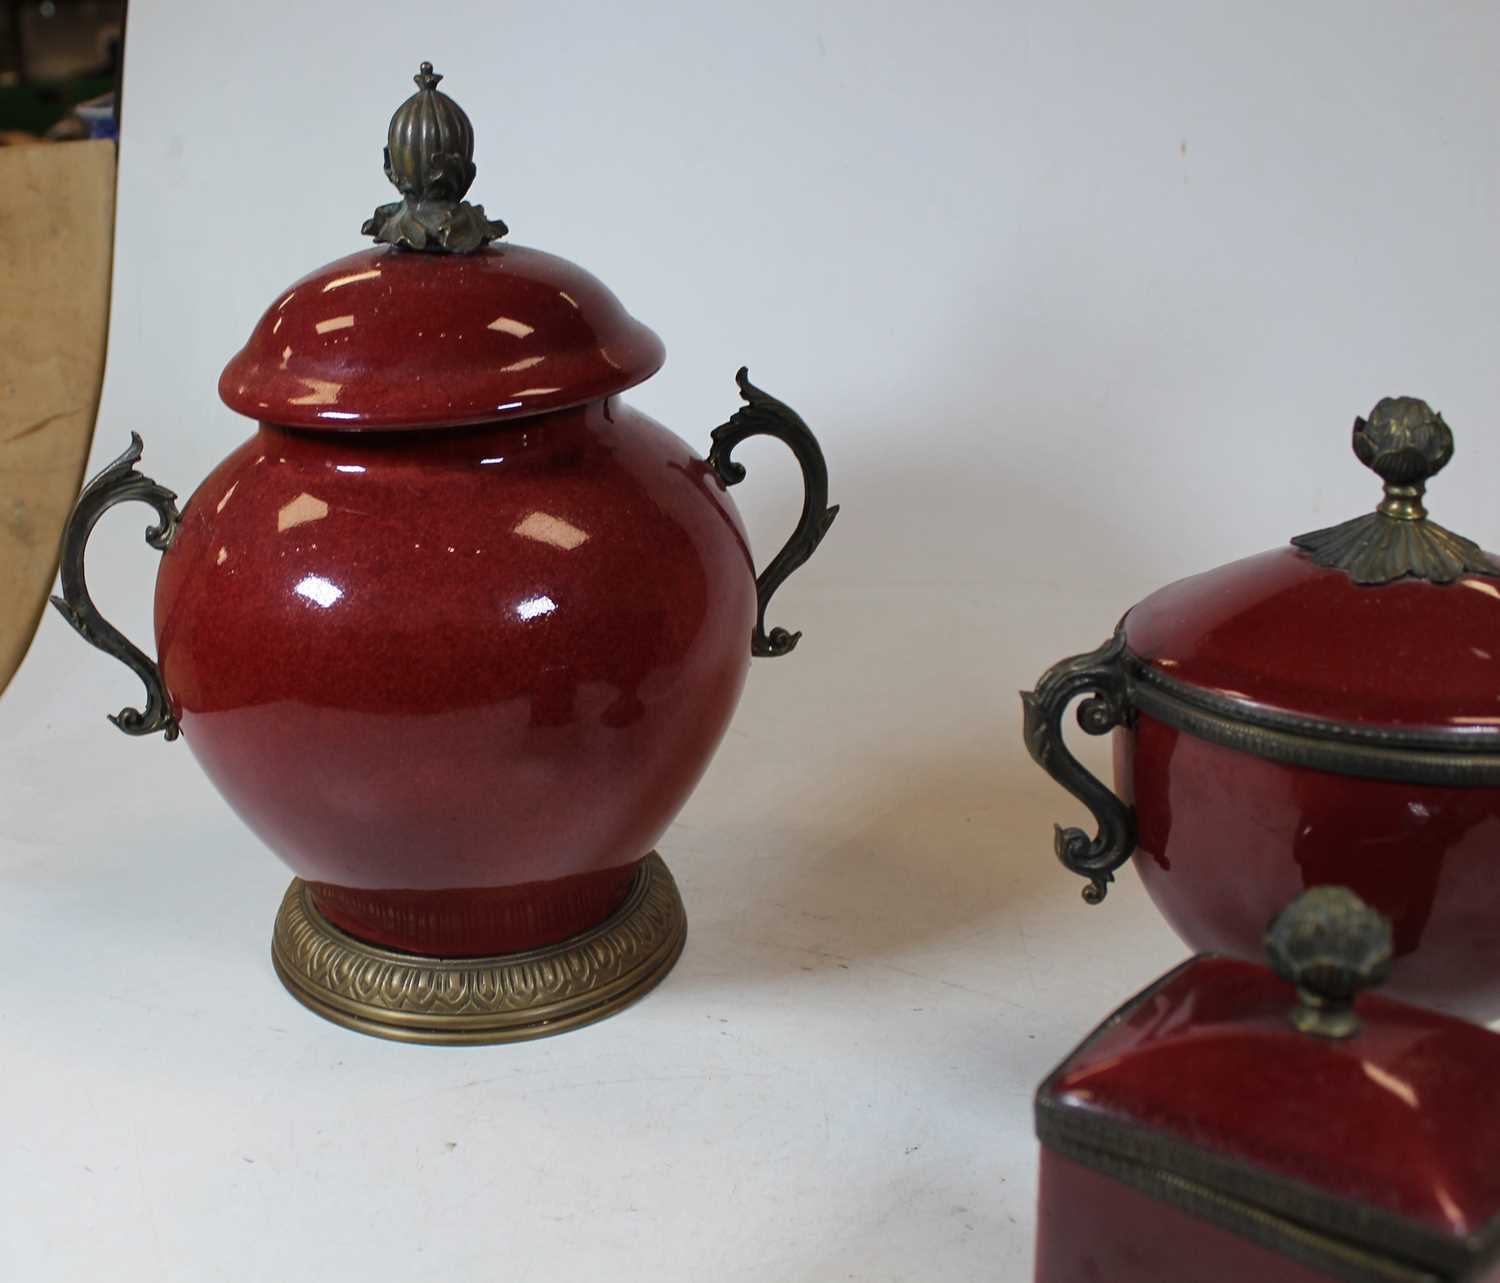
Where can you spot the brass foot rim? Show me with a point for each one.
(469, 1001)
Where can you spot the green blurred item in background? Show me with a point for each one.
(55, 54)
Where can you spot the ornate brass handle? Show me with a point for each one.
(1100, 675)
(764, 415)
(116, 484)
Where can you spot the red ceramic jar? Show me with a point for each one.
(1213, 1130)
(1327, 712)
(456, 631)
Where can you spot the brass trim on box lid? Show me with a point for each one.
(1352, 1241)
(1339, 1257)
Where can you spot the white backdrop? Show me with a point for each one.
(1080, 297)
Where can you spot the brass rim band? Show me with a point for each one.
(1439, 755)
(508, 998)
(1118, 688)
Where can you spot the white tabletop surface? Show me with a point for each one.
(883, 960)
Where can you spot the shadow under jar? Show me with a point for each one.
(1324, 713)
(456, 631)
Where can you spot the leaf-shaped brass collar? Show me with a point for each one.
(1405, 442)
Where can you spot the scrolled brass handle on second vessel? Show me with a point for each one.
(1099, 675)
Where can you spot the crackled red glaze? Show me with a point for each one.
(1091, 1229)
(461, 681)
(1227, 839)
(388, 338)
(1281, 631)
(1400, 1117)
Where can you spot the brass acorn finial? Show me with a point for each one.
(429, 157)
(1330, 944)
(1405, 442)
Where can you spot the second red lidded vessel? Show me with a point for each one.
(1326, 712)
(456, 631)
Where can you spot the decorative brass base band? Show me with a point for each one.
(507, 998)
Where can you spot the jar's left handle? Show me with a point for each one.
(764, 415)
(116, 484)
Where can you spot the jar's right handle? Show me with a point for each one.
(764, 415)
(116, 484)
(1101, 675)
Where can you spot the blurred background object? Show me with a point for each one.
(54, 55)
(59, 66)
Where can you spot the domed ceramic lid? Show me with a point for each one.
(437, 325)
(1387, 619)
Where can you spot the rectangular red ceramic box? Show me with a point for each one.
(1198, 1137)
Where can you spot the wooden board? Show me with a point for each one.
(57, 205)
